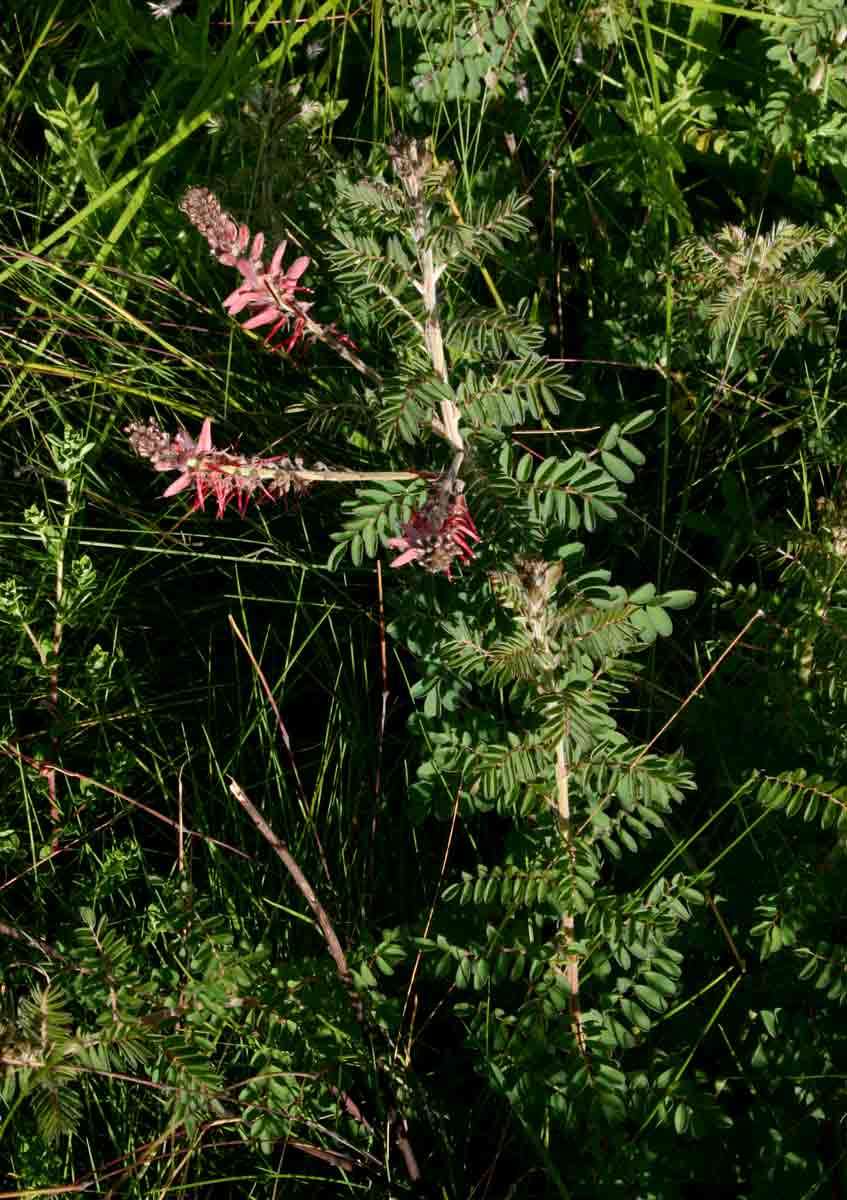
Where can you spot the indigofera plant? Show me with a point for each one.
(522, 663)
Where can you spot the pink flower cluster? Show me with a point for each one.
(255, 295)
(438, 533)
(212, 472)
(266, 293)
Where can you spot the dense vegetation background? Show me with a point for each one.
(323, 878)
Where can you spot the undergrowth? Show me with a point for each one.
(421, 601)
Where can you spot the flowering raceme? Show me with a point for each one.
(212, 472)
(439, 532)
(268, 294)
(254, 294)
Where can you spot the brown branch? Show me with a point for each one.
(396, 1119)
(286, 741)
(44, 768)
(303, 886)
(755, 617)
(21, 935)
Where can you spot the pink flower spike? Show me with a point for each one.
(266, 294)
(224, 474)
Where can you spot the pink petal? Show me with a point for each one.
(247, 267)
(243, 237)
(204, 442)
(263, 318)
(200, 497)
(237, 300)
(411, 555)
(297, 267)
(178, 485)
(246, 297)
(257, 247)
(276, 261)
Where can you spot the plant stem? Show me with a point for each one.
(563, 808)
(303, 886)
(411, 175)
(322, 334)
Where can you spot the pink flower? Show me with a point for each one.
(212, 472)
(254, 292)
(231, 244)
(437, 533)
(272, 295)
